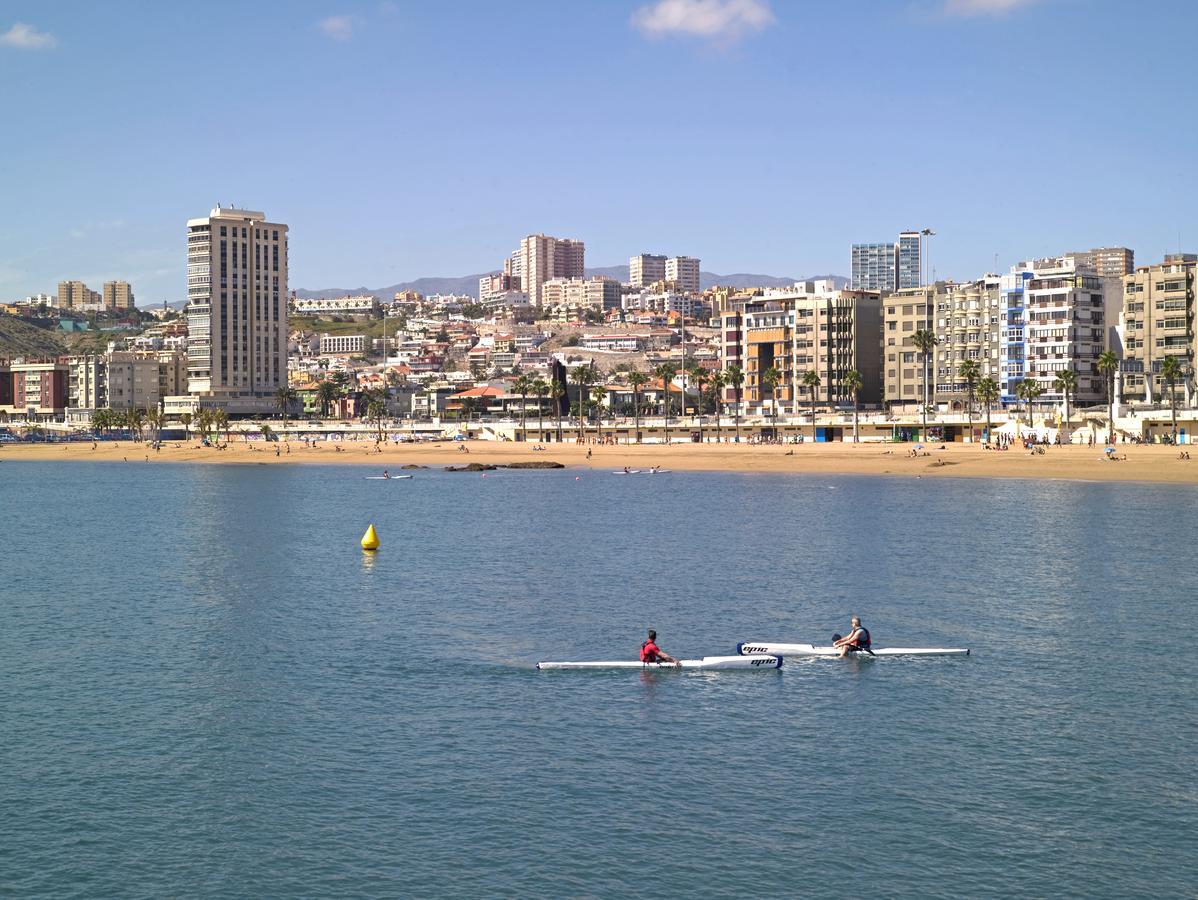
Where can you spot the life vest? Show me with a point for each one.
(864, 639)
(649, 652)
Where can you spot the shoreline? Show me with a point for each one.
(1147, 463)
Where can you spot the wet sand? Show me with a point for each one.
(1146, 463)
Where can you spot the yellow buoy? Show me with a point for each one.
(370, 540)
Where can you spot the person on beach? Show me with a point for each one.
(651, 653)
(857, 640)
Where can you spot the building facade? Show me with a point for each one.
(77, 295)
(646, 268)
(543, 258)
(342, 344)
(118, 295)
(237, 309)
(904, 313)
(968, 326)
(1157, 323)
(1108, 262)
(37, 390)
(683, 273)
(908, 260)
(873, 267)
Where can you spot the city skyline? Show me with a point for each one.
(390, 172)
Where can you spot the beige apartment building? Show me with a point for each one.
(1107, 262)
(646, 268)
(967, 325)
(829, 334)
(237, 309)
(542, 258)
(118, 295)
(1158, 322)
(125, 379)
(77, 295)
(683, 273)
(597, 293)
(904, 313)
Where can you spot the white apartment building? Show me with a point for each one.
(237, 309)
(345, 306)
(667, 302)
(683, 271)
(645, 269)
(593, 293)
(542, 258)
(342, 344)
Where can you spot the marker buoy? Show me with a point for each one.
(370, 540)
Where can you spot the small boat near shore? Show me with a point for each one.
(744, 662)
(759, 647)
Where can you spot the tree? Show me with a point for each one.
(988, 393)
(768, 382)
(522, 386)
(852, 385)
(598, 392)
(1028, 390)
(376, 408)
(969, 371)
(666, 372)
(540, 387)
(1066, 383)
(925, 342)
(185, 421)
(735, 376)
(101, 420)
(285, 397)
(718, 380)
(135, 421)
(583, 376)
(557, 391)
(327, 393)
(220, 422)
(636, 381)
(811, 381)
(1171, 373)
(698, 375)
(469, 404)
(154, 420)
(1108, 364)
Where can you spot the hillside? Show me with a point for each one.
(19, 337)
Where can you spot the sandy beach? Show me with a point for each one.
(1148, 463)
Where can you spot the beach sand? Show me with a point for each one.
(1149, 463)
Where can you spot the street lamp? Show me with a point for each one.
(924, 255)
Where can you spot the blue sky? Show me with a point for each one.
(403, 139)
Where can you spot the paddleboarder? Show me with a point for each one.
(857, 640)
(651, 653)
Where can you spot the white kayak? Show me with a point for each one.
(385, 477)
(749, 661)
(759, 647)
(629, 472)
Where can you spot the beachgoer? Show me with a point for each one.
(856, 641)
(386, 474)
(651, 653)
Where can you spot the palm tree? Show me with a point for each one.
(1066, 383)
(988, 393)
(1027, 391)
(540, 387)
(811, 381)
(636, 381)
(598, 392)
(718, 380)
(557, 390)
(376, 408)
(521, 386)
(666, 372)
(969, 371)
(735, 376)
(925, 342)
(185, 421)
(469, 404)
(135, 420)
(1108, 364)
(583, 375)
(284, 398)
(327, 393)
(1171, 373)
(101, 420)
(154, 420)
(852, 385)
(698, 375)
(220, 422)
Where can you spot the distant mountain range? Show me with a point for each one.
(468, 284)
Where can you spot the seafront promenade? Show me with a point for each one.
(1134, 462)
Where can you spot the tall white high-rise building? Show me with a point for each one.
(645, 269)
(684, 272)
(236, 309)
(541, 258)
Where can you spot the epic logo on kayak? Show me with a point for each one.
(763, 662)
(748, 648)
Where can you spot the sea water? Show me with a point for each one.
(207, 689)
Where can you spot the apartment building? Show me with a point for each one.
(37, 390)
(1012, 352)
(365, 306)
(873, 267)
(542, 258)
(591, 293)
(908, 260)
(342, 344)
(77, 295)
(968, 323)
(686, 305)
(237, 310)
(645, 269)
(118, 295)
(1107, 262)
(125, 379)
(683, 273)
(1158, 322)
(904, 313)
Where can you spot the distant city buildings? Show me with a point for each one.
(1107, 262)
(336, 306)
(888, 266)
(76, 295)
(541, 258)
(645, 269)
(677, 273)
(683, 273)
(118, 295)
(237, 309)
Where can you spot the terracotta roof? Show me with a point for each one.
(485, 391)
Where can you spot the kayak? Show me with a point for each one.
(744, 661)
(629, 472)
(758, 647)
(385, 477)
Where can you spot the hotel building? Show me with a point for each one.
(237, 309)
(1158, 322)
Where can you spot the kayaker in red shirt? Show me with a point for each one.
(651, 653)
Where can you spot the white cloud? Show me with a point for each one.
(339, 28)
(26, 37)
(984, 7)
(718, 20)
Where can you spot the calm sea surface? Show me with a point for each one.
(207, 689)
